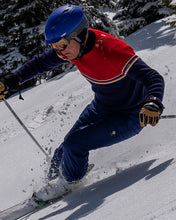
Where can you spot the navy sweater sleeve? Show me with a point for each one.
(38, 65)
(150, 78)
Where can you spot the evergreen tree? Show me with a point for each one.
(133, 15)
(172, 5)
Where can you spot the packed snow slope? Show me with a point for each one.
(133, 180)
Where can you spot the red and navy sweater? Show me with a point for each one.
(120, 80)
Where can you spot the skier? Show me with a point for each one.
(128, 93)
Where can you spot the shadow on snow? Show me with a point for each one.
(151, 37)
(89, 198)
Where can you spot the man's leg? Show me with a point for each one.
(55, 163)
(93, 130)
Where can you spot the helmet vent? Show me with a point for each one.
(66, 10)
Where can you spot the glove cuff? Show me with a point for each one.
(12, 81)
(153, 104)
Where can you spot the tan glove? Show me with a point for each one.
(150, 113)
(9, 82)
(3, 90)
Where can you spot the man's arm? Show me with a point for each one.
(150, 78)
(152, 107)
(38, 65)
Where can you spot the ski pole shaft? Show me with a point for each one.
(25, 128)
(167, 116)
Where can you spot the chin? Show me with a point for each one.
(71, 57)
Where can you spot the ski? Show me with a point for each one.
(25, 209)
(41, 206)
(28, 207)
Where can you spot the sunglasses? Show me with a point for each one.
(60, 45)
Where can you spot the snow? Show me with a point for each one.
(109, 12)
(173, 2)
(133, 180)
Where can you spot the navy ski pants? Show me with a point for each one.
(94, 129)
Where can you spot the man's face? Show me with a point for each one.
(70, 50)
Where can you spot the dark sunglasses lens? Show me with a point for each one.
(60, 46)
(64, 47)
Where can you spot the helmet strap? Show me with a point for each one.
(77, 31)
(81, 52)
(81, 39)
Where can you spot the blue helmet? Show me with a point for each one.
(65, 22)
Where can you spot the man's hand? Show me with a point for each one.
(3, 89)
(150, 113)
(9, 82)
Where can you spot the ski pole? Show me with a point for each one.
(26, 129)
(167, 116)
